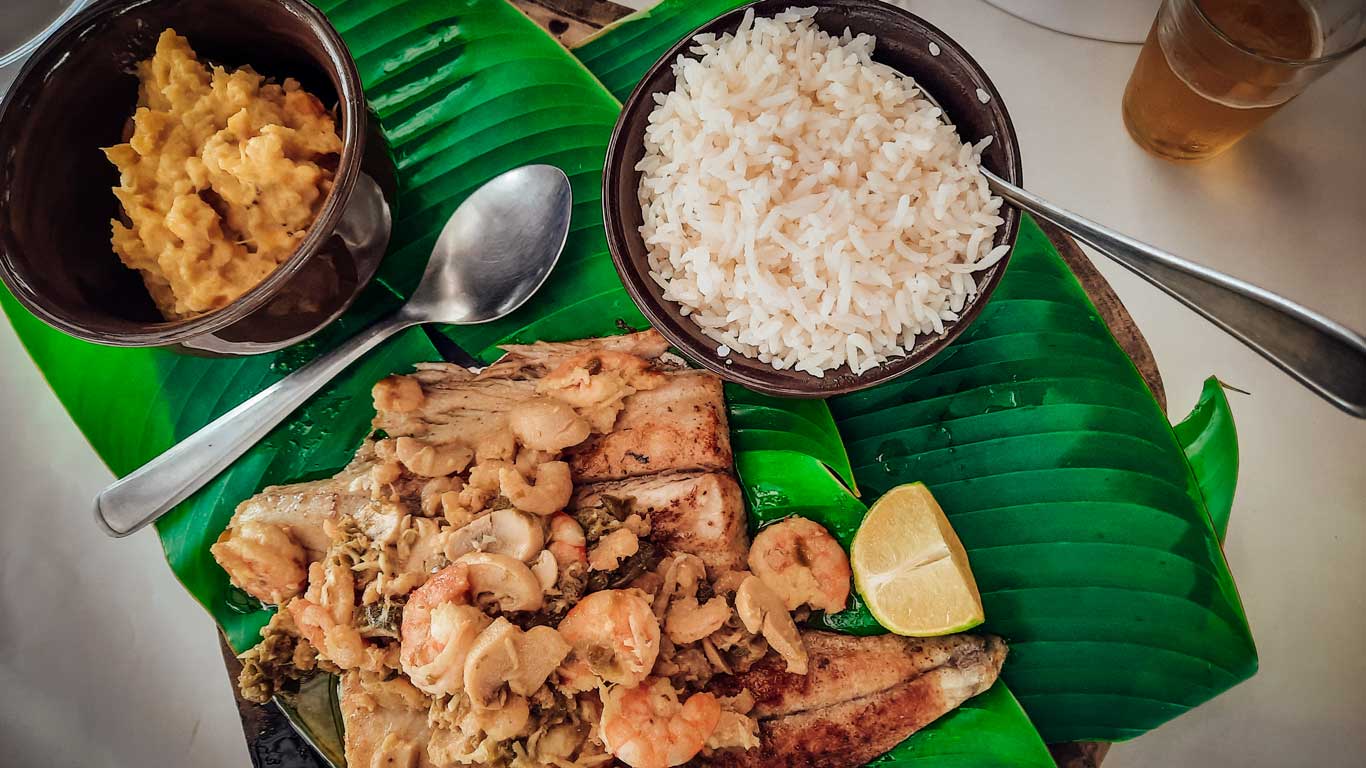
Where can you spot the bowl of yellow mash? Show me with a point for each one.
(196, 175)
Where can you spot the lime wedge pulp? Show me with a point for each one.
(911, 569)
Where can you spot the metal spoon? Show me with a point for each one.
(494, 253)
(1325, 356)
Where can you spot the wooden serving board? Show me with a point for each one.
(272, 741)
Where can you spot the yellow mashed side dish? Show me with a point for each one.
(220, 179)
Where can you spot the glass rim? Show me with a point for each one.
(1290, 62)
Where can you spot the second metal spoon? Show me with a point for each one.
(1325, 356)
(495, 251)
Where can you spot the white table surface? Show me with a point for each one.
(106, 661)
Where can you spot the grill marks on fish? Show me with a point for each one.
(698, 513)
(861, 697)
(845, 667)
(678, 426)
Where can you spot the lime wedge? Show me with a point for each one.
(911, 569)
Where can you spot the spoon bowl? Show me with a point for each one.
(478, 271)
(495, 251)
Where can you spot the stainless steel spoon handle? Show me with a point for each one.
(1323, 355)
(156, 487)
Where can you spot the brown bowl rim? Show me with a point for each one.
(351, 104)
(683, 333)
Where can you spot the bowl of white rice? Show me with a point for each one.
(793, 194)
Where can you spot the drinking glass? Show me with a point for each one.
(1212, 70)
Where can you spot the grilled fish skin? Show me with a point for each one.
(837, 716)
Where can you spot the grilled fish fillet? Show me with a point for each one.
(304, 507)
(679, 426)
(538, 359)
(861, 696)
(703, 514)
(386, 723)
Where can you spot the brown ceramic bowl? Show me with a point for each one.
(903, 43)
(74, 96)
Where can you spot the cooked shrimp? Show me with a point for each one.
(611, 549)
(456, 506)
(549, 495)
(434, 490)
(801, 562)
(484, 475)
(264, 560)
(647, 727)
(567, 542)
(546, 424)
(596, 382)
(616, 633)
(339, 643)
(439, 627)
(528, 459)
(324, 614)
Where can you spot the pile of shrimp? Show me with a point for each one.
(482, 597)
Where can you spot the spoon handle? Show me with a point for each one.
(157, 486)
(1326, 357)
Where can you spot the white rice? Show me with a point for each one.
(807, 206)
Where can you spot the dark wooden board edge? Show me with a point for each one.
(271, 741)
(1121, 323)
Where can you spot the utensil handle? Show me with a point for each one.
(157, 486)
(1325, 356)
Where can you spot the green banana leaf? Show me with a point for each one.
(762, 423)
(1211, 444)
(1087, 525)
(620, 54)
(133, 404)
(1089, 535)
(315, 443)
